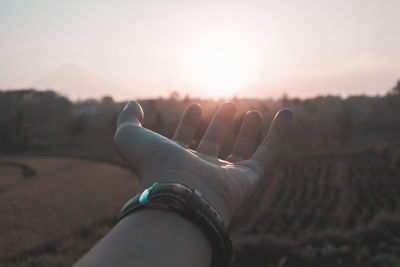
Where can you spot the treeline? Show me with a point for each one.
(33, 120)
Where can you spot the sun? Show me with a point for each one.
(219, 65)
(222, 70)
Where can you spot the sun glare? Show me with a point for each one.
(221, 61)
(222, 68)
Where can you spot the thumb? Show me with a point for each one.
(131, 114)
(141, 148)
(129, 134)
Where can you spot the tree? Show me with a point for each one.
(174, 96)
(396, 89)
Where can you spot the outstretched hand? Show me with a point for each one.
(226, 184)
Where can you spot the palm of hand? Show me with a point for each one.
(226, 184)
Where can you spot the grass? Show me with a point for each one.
(64, 196)
(330, 209)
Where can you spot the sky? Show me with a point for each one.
(254, 48)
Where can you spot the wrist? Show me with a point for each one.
(167, 231)
(191, 205)
(213, 196)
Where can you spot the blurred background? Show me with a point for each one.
(68, 68)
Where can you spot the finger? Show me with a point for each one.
(212, 140)
(269, 148)
(188, 125)
(248, 133)
(131, 140)
(131, 114)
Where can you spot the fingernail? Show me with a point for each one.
(135, 109)
(285, 114)
(195, 110)
(128, 104)
(254, 115)
(227, 110)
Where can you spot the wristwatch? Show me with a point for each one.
(190, 204)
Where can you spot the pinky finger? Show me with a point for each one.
(266, 153)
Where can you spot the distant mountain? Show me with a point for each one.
(77, 82)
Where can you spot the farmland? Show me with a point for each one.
(317, 209)
(58, 198)
(337, 210)
(331, 199)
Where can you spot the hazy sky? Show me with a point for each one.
(206, 48)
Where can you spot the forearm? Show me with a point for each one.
(151, 238)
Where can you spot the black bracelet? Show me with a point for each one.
(191, 205)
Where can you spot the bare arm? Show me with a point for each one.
(151, 238)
